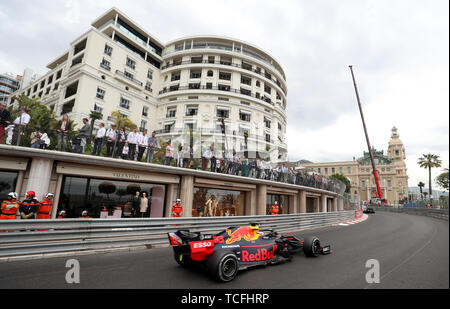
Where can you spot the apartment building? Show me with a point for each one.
(8, 85)
(391, 168)
(183, 89)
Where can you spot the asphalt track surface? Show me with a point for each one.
(413, 253)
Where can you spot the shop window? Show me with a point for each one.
(210, 202)
(283, 203)
(115, 198)
(8, 181)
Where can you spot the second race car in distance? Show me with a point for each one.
(236, 248)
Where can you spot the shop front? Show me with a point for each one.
(281, 199)
(210, 202)
(104, 198)
(106, 193)
(12, 173)
(8, 183)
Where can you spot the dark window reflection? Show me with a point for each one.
(8, 181)
(111, 199)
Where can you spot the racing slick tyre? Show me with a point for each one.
(311, 246)
(223, 266)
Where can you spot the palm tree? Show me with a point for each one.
(94, 116)
(123, 121)
(421, 185)
(428, 161)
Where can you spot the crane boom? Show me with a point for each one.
(375, 172)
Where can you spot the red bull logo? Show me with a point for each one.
(260, 255)
(245, 232)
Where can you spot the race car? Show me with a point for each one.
(238, 248)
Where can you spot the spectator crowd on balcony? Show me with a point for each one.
(137, 145)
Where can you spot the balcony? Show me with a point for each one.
(244, 67)
(130, 80)
(220, 88)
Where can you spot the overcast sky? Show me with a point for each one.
(399, 51)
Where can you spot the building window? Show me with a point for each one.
(267, 138)
(106, 64)
(148, 86)
(108, 50)
(171, 112)
(100, 93)
(196, 74)
(389, 183)
(50, 79)
(131, 63)
(267, 123)
(175, 76)
(363, 183)
(244, 116)
(98, 108)
(224, 75)
(143, 126)
(145, 111)
(124, 103)
(258, 83)
(191, 111)
(210, 73)
(150, 74)
(333, 170)
(349, 170)
(229, 203)
(129, 75)
(58, 75)
(223, 113)
(246, 80)
(8, 180)
(267, 89)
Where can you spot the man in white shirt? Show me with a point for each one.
(19, 126)
(98, 140)
(205, 159)
(133, 139)
(143, 140)
(111, 137)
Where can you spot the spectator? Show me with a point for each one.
(169, 153)
(244, 167)
(62, 130)
(125, 151)
(152, 145)
(143, 140)
(185, 154)
(29, 207)
(111, 138)
(179, 156)
(5, 120)
(213, 159)
(122, 136)
(84, 133)
(20, 124)
(98, 140)
(133, 139)
(35, 138)
(205, 158)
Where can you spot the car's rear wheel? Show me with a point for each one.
(223, 266)
(311, 246)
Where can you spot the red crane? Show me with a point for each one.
(375, 172)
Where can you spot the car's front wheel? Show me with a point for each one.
(311, 246)
(223, 266)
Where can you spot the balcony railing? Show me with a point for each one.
(133, 80)
(229, 133)
(236, 65)
(225, 89)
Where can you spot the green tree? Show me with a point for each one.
(94, 115)
(442, 180)
(122, 121)
(428, 161)
(421, 185)
(40, 116)
(344, 180)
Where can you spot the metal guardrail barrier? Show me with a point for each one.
(31, 237)
(435, 213)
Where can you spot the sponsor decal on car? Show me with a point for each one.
(245, 232)
(261, 254)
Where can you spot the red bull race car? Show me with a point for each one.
(238, 248)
